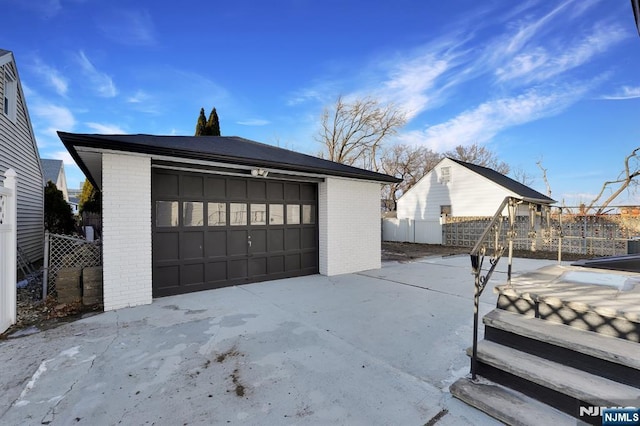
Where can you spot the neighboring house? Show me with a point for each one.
(75, 206)
(453, 188)
(18, 150)
(53, 170)
(210, 211)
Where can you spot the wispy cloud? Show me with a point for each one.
(625, 92)
(253, 122)
(52, 77)
(105, 128)
(64, 156)
(100, 82)
(129, 27)
(482, 123)
(54, 117)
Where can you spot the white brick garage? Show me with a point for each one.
(347, 214)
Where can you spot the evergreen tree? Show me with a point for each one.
(213, 124)
(58, 217)
(201, 126)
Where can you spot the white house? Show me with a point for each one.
(211, 211)
(19, 151)
(452, 188)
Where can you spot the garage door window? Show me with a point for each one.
(192, 213)
(166, 213)
(308, 214)
(217, 214)
(238, 214)
(293, 214)
(276, 214)
(258, 214)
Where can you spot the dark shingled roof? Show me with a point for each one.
(506, 182)
(222, 149)
(50, 169)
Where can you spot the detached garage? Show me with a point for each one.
(184, 214)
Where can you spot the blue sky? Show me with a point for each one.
(555, 81)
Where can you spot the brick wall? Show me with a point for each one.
(349, 226)
(126, 228)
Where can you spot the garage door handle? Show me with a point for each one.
(249, 241)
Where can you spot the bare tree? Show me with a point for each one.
(407, 163)
(478, 155)
(352, 133)
(544, 177)
(625, 180)
(521, 175)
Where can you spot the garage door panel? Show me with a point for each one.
(258, 241)
(216, 243)
(308, 192)
(276, 240)
(291, 191)
(216, 271)
(308, 238)
(166, 277)
(293, 262)
(238, 269)
(192, 245)
(275, 191)
(165, 185)
(237, 242)
(192, 186)
(237, 189)
(292, 239)
(192, 274)
(216, 188)
(257, 266)
(309, 260)
(166, 246)
(257, 190)
(276, 264)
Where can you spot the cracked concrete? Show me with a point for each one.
(380, 347)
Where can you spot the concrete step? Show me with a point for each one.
(574, 383)
(508, 405)
(607, 348)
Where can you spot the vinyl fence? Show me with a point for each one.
(413, 231)
(8, 250)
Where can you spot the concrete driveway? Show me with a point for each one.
(380, 347)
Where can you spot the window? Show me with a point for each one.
(10, 95)
(293, 214)
(166, 213)
(193, 213)
(445, 174)
(238, 214)
(258, 214)
(276, 214)
(308, 214)
(217, 214)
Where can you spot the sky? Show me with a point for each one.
(549, 82)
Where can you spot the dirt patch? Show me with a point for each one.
(406, 252)
(239, 387)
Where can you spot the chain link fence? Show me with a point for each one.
(63, 251)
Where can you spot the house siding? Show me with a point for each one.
(468, 194)
(126, 227)
(18, 150)
(349, 226)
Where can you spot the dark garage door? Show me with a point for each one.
(212, 231)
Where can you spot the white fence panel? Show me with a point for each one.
(428, 232)
(412, 231)
(8, 250)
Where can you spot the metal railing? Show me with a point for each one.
(498, 236)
